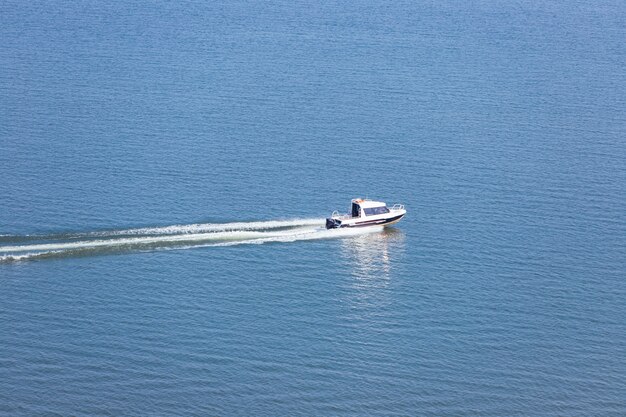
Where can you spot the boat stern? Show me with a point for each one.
(332, 223)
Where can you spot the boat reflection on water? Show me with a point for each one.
(371, 254)
(371, 258)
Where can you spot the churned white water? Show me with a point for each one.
(173, 237)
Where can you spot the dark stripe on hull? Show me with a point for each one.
(378, 222)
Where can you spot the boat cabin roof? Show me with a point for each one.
(368, 203)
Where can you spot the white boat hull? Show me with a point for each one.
(379, 220)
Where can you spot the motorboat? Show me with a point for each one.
(366, 212)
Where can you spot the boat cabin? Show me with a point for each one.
(364, 208)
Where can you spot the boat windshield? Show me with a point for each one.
(376, 210)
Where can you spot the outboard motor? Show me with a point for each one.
(333, 223)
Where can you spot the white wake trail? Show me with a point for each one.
(135, 241)
(176, 237)
(210, 227)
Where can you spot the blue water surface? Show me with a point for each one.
(501, 125)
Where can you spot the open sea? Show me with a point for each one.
(165, 171)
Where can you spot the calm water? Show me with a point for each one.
(133, 136)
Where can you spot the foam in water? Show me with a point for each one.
(171, 237)
(168, 230)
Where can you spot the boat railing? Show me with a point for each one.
(337, 215)
(396, 207)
